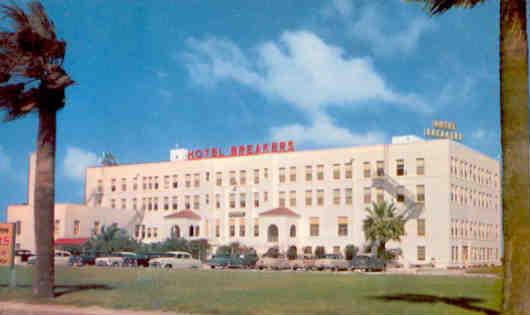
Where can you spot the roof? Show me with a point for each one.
(71, 241)
(184, 214)
(285, 212)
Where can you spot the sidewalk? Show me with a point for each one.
(16, 308)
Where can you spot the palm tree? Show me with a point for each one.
(383, 224)
(110, 239)
(32, 79)
(514, 141)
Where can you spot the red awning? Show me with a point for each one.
(71, 241)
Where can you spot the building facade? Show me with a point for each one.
(449, 193)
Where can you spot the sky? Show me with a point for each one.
(155, 75)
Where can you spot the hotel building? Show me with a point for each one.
(449, 193)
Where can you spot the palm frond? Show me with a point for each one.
(17, 102)
(435, 7)
(40, 22)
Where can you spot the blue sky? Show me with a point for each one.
(151, 75)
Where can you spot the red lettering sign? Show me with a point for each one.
(242, 150)
(249, 149)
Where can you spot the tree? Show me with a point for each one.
(111, 239)
(350, 251)
(320, 252)
(32, 79)
(383, 224)
(272, 252)
(291, 253)
(514, 142)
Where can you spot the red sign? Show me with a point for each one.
(242, 150)
(7, 243)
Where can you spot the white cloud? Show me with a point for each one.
(369, 23)
(303, 71)
(5, 161)
(76, 161)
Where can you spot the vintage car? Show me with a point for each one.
(61, 258)
(82, 260)
(332, 262)
(306, 262)
(233, 261)
(367, 263)
(22, 255)
(277, 263)
(174, 260)
(117, 259)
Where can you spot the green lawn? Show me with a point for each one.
(205, 291)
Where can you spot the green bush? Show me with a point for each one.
(350, 251)
(272, 252)
(320, 252)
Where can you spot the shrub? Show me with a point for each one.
(350, 251)
(272, 252)
(291, 253)
(199, 248)
(320, 252)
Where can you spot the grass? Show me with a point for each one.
(494, 270)
(241, 292)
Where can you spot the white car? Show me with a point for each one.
(175, 260)
(61, 258)
(114, 260)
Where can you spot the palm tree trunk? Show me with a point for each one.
(515, 166)
(43, 271)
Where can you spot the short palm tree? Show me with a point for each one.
(32, 79)
(382, 225)
(514, 140)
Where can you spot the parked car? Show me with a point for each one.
(82, 260)
(117, 259)
(332, 262)
(367, 263)
(278, 263)
(142, 259)
(174, 260)
(60, 259)
(306, 262)
(23, 254)
(233, 261)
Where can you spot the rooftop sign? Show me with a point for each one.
(443, 130)
(242, 150)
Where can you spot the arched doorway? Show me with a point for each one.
(272, 233)
(175, 231)
(292, 231)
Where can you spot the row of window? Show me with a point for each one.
(285, 174)
(77, 227)
(469, 171)
(473, 230)
(464, 254)
(472, 197)
(285, 198)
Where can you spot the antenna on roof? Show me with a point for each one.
(108, 159)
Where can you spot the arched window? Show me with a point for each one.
(191, 230)
(292, 231)
(272, 233)
(197, 230)
(308, 250)
(175, 231)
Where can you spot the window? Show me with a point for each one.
(187, 202)
(292, 174)
(196, 180)
(380, 195)
(421, 227)
(400, 167)
(336, 250)
(123, 203)
(266, 173)
(113, 203)
(281, 175)
(348, 170)
(156, 182)
(96, 228)
(420, 193)
(320, 172)
(155, 203)
(313, 226)
(218, 178)
(281, 198)
(135, 183)
(76, 227)
(320, 197)
(232, 200)
(175, 181)
(113, 185)
(272, 233)
(367, 195)
(150, 182)
(174, 202)
(190, 231)
(336, 171)
(421, 253)
(242, 227)
(420, 166)
(256, 176)
(233, 178)
(265, 196)
(308, 173)
(380, 171)
(155, 232)
(187, 181)
(218, 201)
(292, 198)
(342, 226)
(292, 231)
(123, 184)
(256, 227)
(242, 200)
(400, 194)
(100, 186)
(367, 170)
(207, 176)
(57, 226)
(242, 177)
(134, 204)
(256, 199)
(308, 198)
(18, 227)
(166, 182)
(348, 196)
(336, 196)
(217, 228)
(166, 203)
(207, 199)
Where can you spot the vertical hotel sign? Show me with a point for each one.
(7, 244)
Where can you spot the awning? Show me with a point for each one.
(71, 241)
